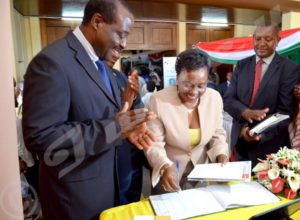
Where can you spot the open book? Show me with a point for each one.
(231, 171)
(205, 200)
(267, 123)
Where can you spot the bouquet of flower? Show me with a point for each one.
(280, 171)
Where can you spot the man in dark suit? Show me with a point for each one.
(224, 86)
(261, 85)
(73, 117)
(130, 159)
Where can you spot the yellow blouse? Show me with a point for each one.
(195, 136)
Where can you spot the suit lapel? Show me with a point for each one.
(249, 80)
(115, 87)
(86, 62)
(267, 76)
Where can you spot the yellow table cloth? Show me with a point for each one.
(127, 212)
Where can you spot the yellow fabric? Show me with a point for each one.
(195, 136)
(127, 212)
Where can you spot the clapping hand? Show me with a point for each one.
(141, 137)
(129, 93)
(251, 115)
(133, 125)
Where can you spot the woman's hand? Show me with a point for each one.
(222, 158)
(169, 180)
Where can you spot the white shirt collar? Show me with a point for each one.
(267, 60)
(86, 45)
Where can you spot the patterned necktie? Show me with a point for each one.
(104, 75)
(257, 77)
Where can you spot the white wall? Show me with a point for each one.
(26, 41)
(290, 20)
(10, 188)
(243, 30)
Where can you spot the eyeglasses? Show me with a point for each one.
(189, 86)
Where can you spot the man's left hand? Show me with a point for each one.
(141, 137)
(129, 93)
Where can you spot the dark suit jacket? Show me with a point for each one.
(223, 88)
(130, 158)
(68, 120)
(275, 92)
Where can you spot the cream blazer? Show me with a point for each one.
(172, 131)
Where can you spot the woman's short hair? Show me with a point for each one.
(192, 59)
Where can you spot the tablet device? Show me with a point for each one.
(282, 212)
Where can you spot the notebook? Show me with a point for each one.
(231, 171)
(205, 200)
(267, 123)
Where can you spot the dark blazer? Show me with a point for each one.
(223, 88)
(130, 159)
(275, 92)
(68, 120)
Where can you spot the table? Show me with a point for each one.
(143, 207)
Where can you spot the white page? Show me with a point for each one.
(244, 194)
(231, 171)
(185, 203)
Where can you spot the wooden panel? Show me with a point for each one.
(162, 36)
(143, 35)
(220, 33)
(138, 37)
(195, 34)
(54, 29)
(55, 33)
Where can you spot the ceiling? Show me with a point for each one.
(246, 12)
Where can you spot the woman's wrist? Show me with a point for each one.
(163, 168)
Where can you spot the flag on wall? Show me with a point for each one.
(234, 49)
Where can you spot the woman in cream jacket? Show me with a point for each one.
(188, 127)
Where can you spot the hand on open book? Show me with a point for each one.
(169, 180)
(251, 115)
(222, 158)
(245, 134)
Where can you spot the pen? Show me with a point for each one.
(177, 171)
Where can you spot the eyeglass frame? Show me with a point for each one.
(190, 87)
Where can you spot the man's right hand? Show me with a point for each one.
(255, 115)
(247, 137)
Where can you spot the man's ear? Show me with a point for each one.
(97, 21)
